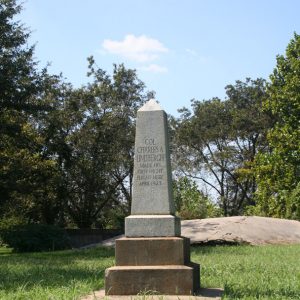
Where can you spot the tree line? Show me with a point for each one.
(66, 153)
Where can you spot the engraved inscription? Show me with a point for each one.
(149, 159)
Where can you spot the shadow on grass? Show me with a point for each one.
(214, 247)
(220, 243)
(210, 292)
(54, 269)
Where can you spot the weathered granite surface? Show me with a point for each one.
(153, 251)
(152, 189)
(152, 209)
(153, 264)
(132, 280)
(152, 227)
(240, 229)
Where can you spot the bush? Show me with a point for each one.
(35, 237)
(10, 221)
(6, 222)
(191, 203)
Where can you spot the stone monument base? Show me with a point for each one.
(159, 265)
(152, 225)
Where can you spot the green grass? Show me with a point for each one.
(4, 250)
(245, 272)
(53, 275)
(251, 272)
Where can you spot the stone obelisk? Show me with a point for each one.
(152, 256)
(152, 210)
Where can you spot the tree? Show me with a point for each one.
(216, 144)
(66, 154)
(52, 126)
(90, 135)
(103, 145)
(249, 130)
(278, 170)
(23, 171)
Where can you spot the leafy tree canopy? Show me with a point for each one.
(22, 168)
(217, 143)
(278, 171)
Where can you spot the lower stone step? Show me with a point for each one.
(167, 280)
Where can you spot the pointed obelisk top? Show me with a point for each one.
(150, 105)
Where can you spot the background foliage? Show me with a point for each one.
(278, 170)
(66, 154)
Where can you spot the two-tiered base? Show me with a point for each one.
(155, 264)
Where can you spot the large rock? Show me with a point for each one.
(250, 230)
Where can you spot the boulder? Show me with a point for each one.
(240, 229)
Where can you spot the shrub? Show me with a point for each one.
(35, 237)
(190, 202)
(7, 222)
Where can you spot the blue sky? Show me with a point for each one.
(180, 49)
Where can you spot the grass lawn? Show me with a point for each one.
(251, 272)
(245, 272)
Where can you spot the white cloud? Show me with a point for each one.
(136, 48)
(154, 69)
(194, 55)
(191, 51)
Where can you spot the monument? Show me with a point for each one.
(152, 256)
